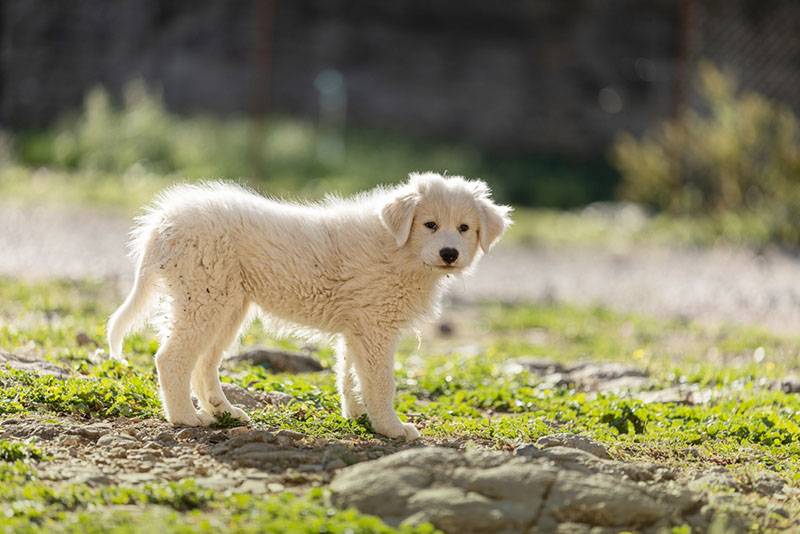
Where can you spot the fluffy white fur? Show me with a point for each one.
(361, 269)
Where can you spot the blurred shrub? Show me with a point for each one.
(738, 158)
(141, 133)
(139, 138)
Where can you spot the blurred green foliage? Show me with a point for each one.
(737, 159)
(285, 156)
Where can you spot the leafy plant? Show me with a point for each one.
(11, 451)
(139, 144)
(737, 159)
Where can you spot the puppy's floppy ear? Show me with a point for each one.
(494, 219)
(398, 214)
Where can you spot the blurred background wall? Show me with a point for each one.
(514, 76)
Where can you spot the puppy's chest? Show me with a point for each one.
(390, 297)
(334, 299)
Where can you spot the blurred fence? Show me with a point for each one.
(756, 41)
(535, 76)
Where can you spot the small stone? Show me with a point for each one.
(279, 361)
(256, 487)
(446, 329)
(190, 433)
(310, 468)
(93, 431)
(215, 482)
(336, 463)
(121, 441)
(166, 439)
(768, 484)
(275, 487)
(622, 384)
(237, 430)
(288, 436)
(672, 395)
(714, 479)
(609, 377)
(137, 478)
(250, 400)
(70, 441)
(583, 443)
(117, 452)
(789, 384)
(279, 398)
(539, 366)
(97, 481)
(83, 339)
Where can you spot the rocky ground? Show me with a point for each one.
(711, 285)
(559, 483)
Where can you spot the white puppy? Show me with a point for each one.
(362, 269)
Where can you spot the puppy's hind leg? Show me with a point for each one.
(175, 360)
(205, 377)
(347, 383)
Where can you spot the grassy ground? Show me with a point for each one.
(459, 389)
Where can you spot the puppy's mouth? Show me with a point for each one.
(445, 268)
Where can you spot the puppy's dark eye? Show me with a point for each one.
(432, 225)
(463, 228)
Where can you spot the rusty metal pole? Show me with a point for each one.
(260, 97)
(684, 56)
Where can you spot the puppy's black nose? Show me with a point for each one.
(449, 255)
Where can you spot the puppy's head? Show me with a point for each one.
(444, 220)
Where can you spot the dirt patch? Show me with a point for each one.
(137, 451)
(628, 381)
(30, 362)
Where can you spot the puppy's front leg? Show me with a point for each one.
(374, 364)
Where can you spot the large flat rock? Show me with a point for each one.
(484, 491)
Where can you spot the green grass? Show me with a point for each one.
(631, 228)
(31, 505)
(456, 389)
(11, 451)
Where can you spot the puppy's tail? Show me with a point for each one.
(135, 306)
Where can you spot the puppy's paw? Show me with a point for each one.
(406, 431)
(121, 359)
(206, 419)
(410, 432)
(238, 413)
(199, 418)
(352, 409)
